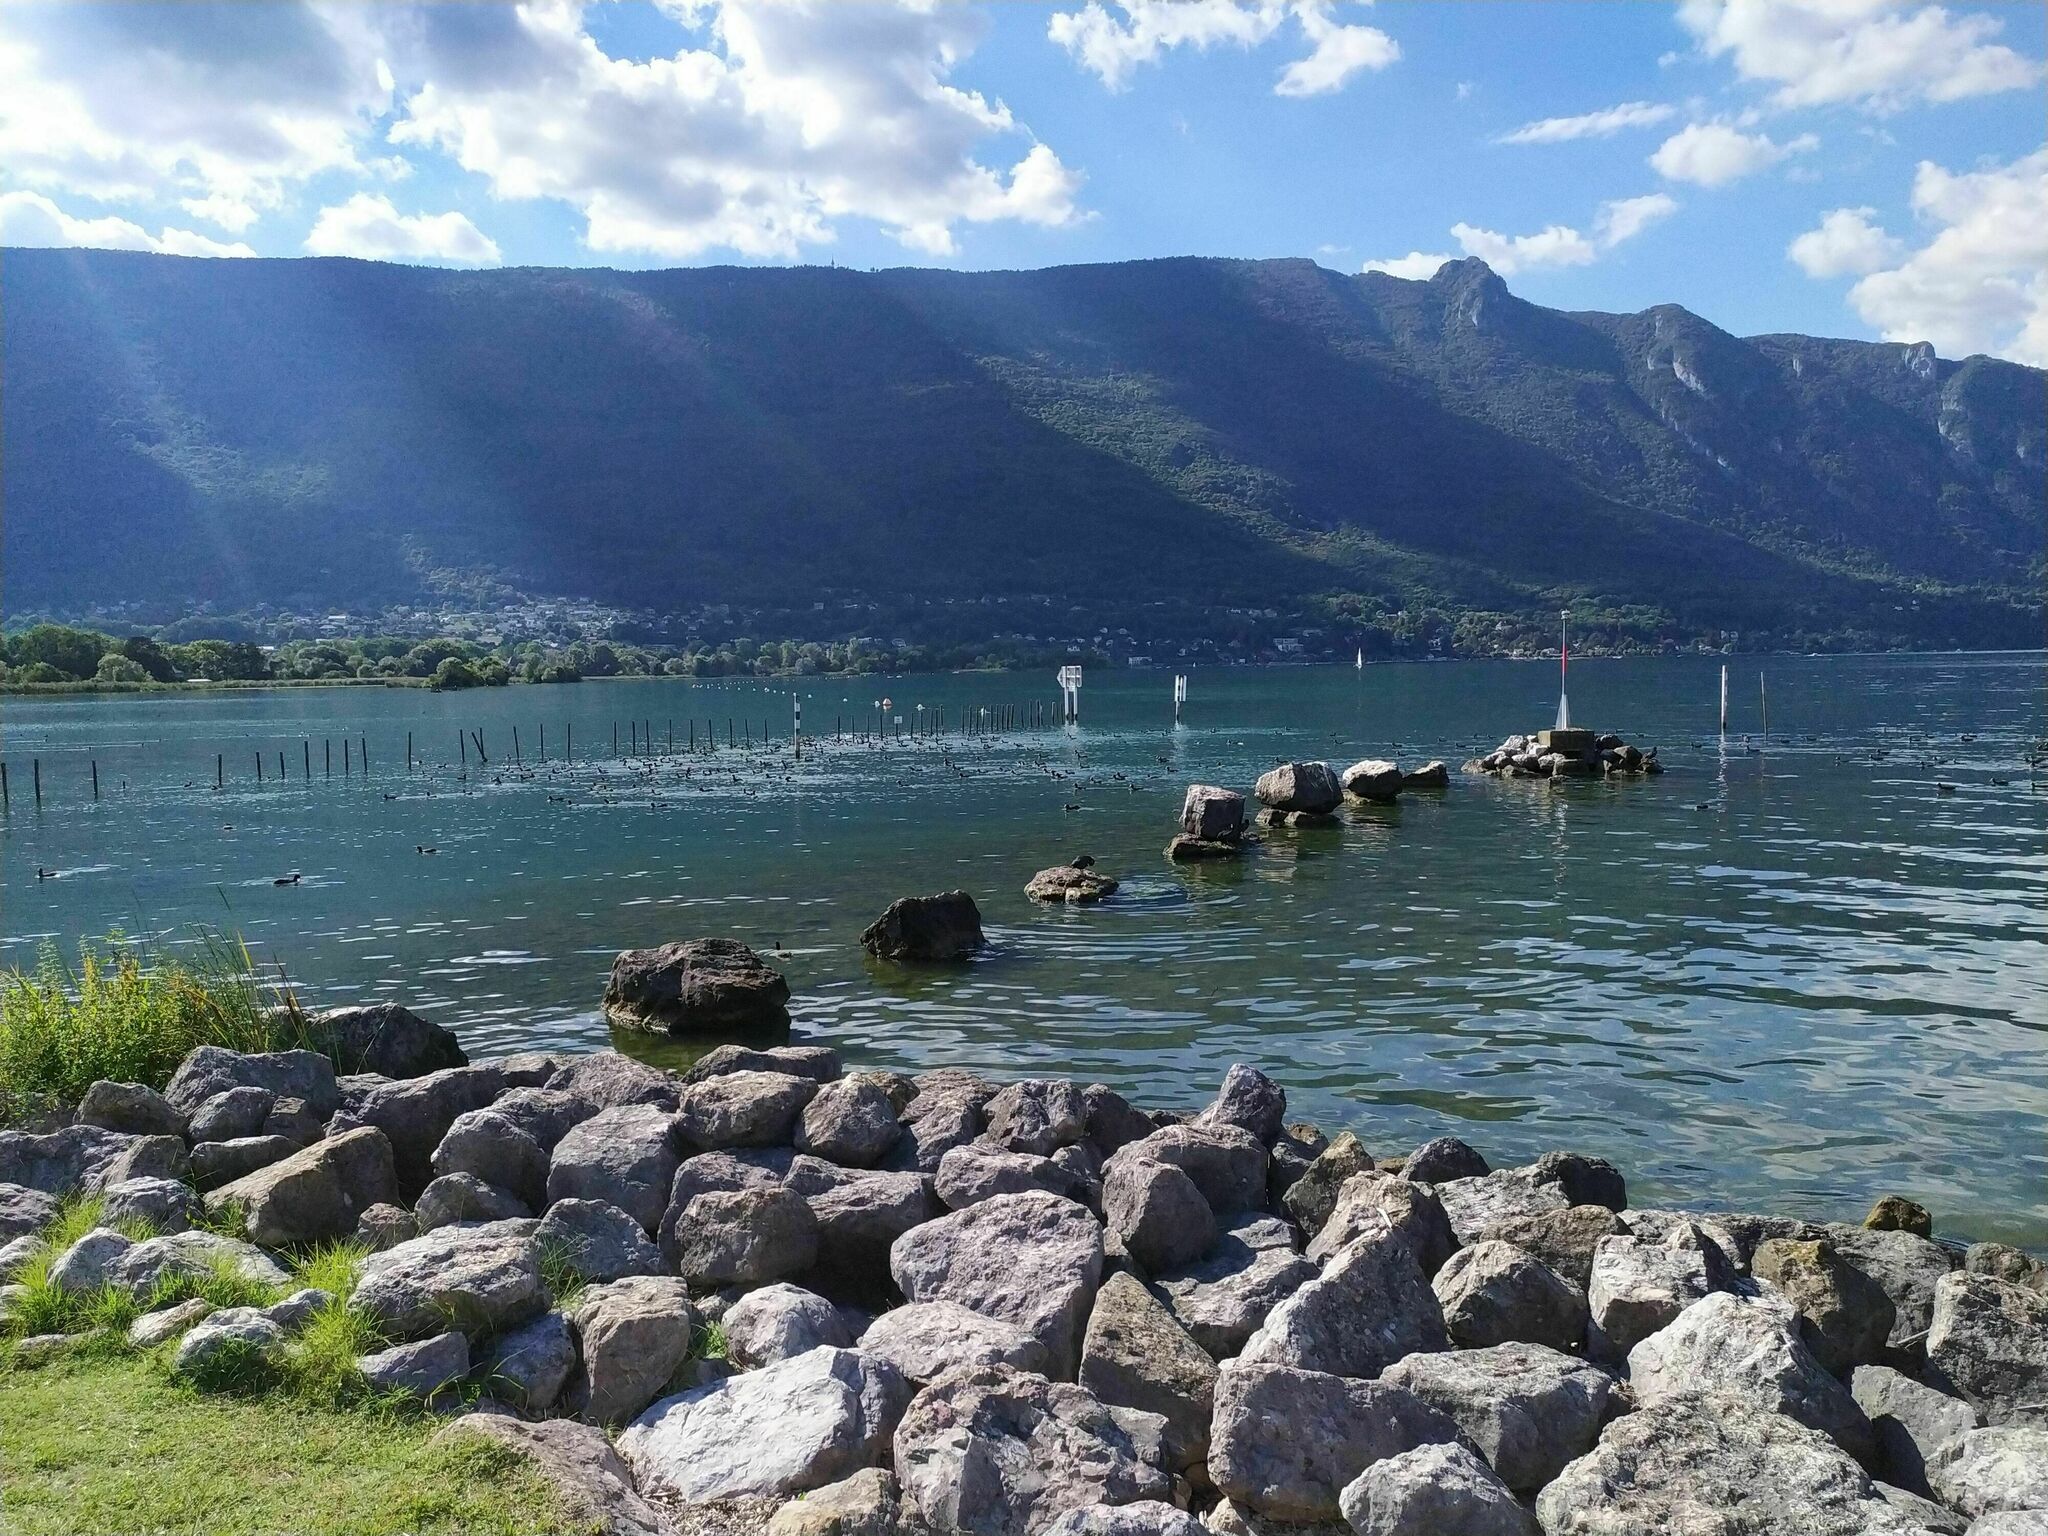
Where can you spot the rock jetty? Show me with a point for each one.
(1563, 755)
(950, 1305)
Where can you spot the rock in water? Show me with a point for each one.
(1742, 1469)
(1065, 883)
(769, 1433)
(994, 1451)
(1285, 1443)
(1212, 815)
(1310, 787)
(1431, 775)
(694, 987)
(1372, 778)
(1433, 1490)
(1029, 1259)
(926, 929)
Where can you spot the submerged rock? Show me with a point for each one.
(1211, 815)
(1373, 778)
(926, 929)
(1063, 882)
(698, 986)
(1308, 787)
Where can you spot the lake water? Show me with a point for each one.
(1788, 978)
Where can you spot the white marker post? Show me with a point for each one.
(1070, 694)
(796, 735)
(1180, 693)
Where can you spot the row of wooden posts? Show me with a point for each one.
(355, 753)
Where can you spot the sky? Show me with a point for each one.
(1868, 168)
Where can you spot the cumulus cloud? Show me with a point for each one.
(1980, 284)
(1845, 241)
(370, 227)
(793, 116)
(29, 218)
(1113, 46)
(1713, 154)
(1557, 245)
(1591, 125)
(1879, 54)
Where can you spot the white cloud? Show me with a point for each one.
(370, 227)
(31, 219)
(1558, 245)
(1591, 125)
(1713, 154)
(1845, 241)
(1981, 283)
(794, 115)
(1112, 47)
(1880, 54)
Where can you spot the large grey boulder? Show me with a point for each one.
(742, 1109)
(596, 1240)
(1433, 1490)
(315, 1195)
(1227, 1163)
(698, 986)
(526, 1367)
(194, 1255)
(144, 1157)
(1474, 1204)
(1249, 1100)
(1494, 1293)
(133, 1108)
(926, 1339)
(1989, 1341)
(421, 1369)
(231, 1334)
(1036, 1115)
(1994, 1470)
(464, 1197)
(76, 1159)
(780, 1322)
(1910, 1420)
(860, 1215)
(161, 1205)
(781, 1430)
(623, 1156)
(850, 1122)
(1030, 1259)
(24, 1211)
(1210, 815)
(820, 1063)
(1147, 1517)
(1844, 1315)
(1134, 1355)
(1529, 1410)
(1719, 1464)
(1748, 1348)
(230, 1114)
(211, 1069)
(1369, 1307)
(1286, 1443)
(994, 1451)
(1311, 1198)
(90, 1264)
(492, 1147)
(744, 1237)
(385, 1038)
(415, 1113)
(926, 929)
(1565, 1240)
(978, 1171)
(1906, 1266)
(612, 1079)
(1223, 1297)
(1155, 1208)
(591, 1485)
(635, 1333)
(215, 1163)
(479, 1279)
(1309, 787)
(1371, 1199)
(1639, 1286)
(1373, 778)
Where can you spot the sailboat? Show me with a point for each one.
(1360, 663)
(1724, 698)
(1564, 705)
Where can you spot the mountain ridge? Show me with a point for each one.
(1171, 438)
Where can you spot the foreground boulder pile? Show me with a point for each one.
(948, 1305)
(1565, 754)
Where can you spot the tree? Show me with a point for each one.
(221, 661)
(74, 653)
(454, 672)
(151, 657)
(116, 668)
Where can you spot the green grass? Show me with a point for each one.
(109, 1447)
(129, 1015)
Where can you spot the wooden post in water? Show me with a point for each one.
(569, 749)
(515, 747)
(462, 746)
(327, 746)
(347, 757)
(280, 765)
(4, 804)
(95, 778)
(307, 746)
(1764, 699)
(408, 751)
(36, 766)
(219, 779)
(363, 753)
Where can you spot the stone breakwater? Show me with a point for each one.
(948, 1305)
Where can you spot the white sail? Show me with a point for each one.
(1724, 698)
(1360, 663)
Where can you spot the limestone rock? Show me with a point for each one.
(90, 1264)
(1529, 1410)
(1639, 1286)
(1474, 1204)
(465, 1197)
(820, 1063)
(925, 1340)
(1369, 1199)
(415, 1113)
(1494, 1293)
(527, 1367)
(780, 1322)
(1369, 1307)
(1372, 778)
(1135, 1355)
(421, 1369)
(1250, 1101)
(2002, 1261)
(167, 1323)
(1907, 1267)
(1434, 774)
(597, 1240)
(211, 1069)
(2000, 1468)
(215, 1163)
(194, 1256)
(1223, 1297)
(1030, 1259)
(612, 1080)
(1209, 814)
(859, 1217)
(1844, 1315)
(976, 1172)
(697, 986)
(996, 1451)
(1227, 1163)
(480, 1279)
(742, 1109)
(162, 1205)
(590, 1483)
(1989, 1341)
(24, 1211)
(781, 1430)
(1565, 1240)
(1748, 1348)
(744, 1237)
(1895, 1213)
(1286, 1443)
(1036, 1115)
(864, 1504)
(133, 1108)
(1156, 1210)
(634, 1334)
(231, 1113)
(385, 1038)
(1146, 1517)
(850, 1122)
(1911, 1422)
(1063, 882)
(1310, 787)
(314, 1195)
(1582, 1180)
(1433, 1490)
(229, 1334)
(926, 929)
(490, 1145)
(385, 1226)
(1312, 1197)
(67, 1161)
(623, 1156)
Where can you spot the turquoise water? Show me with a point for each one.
(1793, 977)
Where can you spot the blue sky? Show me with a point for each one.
(1847, 167)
